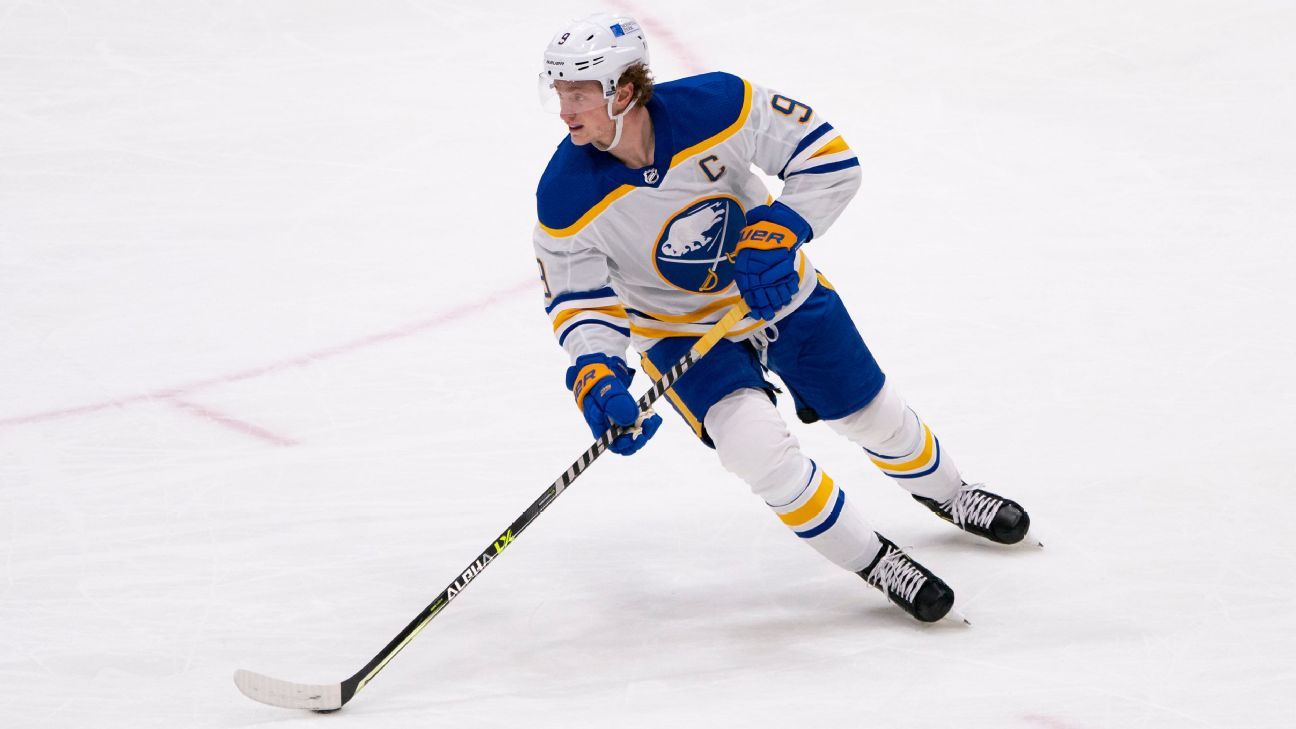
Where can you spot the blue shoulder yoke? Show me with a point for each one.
(684, 112)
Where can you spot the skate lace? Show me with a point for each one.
(897, 575)
(973, 506)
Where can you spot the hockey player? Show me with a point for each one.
(652, 225)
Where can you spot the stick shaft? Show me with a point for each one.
(352, 685)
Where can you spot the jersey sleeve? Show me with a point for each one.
(793, 142)
(586, 314)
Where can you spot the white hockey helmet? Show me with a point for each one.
(597, 48)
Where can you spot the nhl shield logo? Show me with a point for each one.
(695, 249)
(651, 176)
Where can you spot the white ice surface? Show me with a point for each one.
(273, 368)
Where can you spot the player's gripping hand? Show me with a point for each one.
(765, 267)
(599, 384)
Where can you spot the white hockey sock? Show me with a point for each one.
(754, 443)
(823, 516)
(902, 445)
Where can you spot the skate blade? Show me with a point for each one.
(956, 616)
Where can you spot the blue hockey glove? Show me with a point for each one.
(765, 267)
(598, 383)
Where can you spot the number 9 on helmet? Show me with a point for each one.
(597, 48)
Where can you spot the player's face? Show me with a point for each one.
(583, 110)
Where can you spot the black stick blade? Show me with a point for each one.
(288, 695)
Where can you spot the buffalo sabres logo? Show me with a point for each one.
(695, 249)
(650, 175)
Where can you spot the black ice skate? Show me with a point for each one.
(977, 511)
(908, 584)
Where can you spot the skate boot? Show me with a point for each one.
(908, 584)
(977, 511)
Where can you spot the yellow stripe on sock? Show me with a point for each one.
(811, 508)
(915, 464)
(565, 316)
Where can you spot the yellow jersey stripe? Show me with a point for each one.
(660, 333)
(912, 465)
(692, 318)
(589, 215)
(657, 333)
(833, 147)
(664, 333)
(670, 395)
(563, 317)
(729, 131)
(811, 508)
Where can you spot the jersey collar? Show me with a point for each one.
(663, 150)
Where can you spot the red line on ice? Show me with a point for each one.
(663, 34)
(659, 31)
(231, 422)
(408, 330)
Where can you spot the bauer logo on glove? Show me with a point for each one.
(599, 384)
(766, 235)
(765, 266)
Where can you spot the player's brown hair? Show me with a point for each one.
(641, 77)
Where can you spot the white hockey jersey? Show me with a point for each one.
(648, 253)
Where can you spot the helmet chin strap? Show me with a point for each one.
(618, 118)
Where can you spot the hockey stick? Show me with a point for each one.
(331, 697)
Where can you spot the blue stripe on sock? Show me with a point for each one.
(827, 523)
(935, 465)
